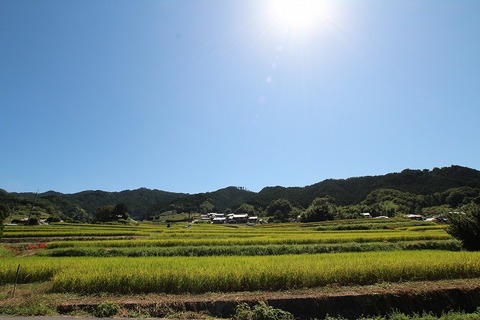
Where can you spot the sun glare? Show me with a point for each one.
(299, 15)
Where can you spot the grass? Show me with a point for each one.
(249, 250)
(5, 252)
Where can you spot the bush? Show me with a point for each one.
(34, 309)
(53, 219)
(2, 217)
(107, 309)
(32, 221)
(466, 228)
(260, 311)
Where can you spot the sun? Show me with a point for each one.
(299, 15)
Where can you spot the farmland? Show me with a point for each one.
(196, 259)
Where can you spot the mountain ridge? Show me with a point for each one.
(144, 203)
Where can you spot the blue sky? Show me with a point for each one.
(193, 96)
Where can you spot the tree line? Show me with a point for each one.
(411, 191)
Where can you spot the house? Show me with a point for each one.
(414, 217)
(237, 218)
(219, 220)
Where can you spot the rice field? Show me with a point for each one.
(234, 273)
(250, 250)
(203, 258)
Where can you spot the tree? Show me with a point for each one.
(390, 202)
(33, 221)
(458, 196)
(321, 209)
(112, 213)
(207, 206)
(120, 211)
(466, 227)
(104, 213)
(3, 215)
(282, 205)
(246, 208)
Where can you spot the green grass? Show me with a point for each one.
(250, 250)
(4, 252)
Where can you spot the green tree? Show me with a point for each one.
(281, 205)
(246, 208)
(466, 226)
(104, 213)
(112, 213)
(279, 216)
(33, 221)
(458, 196)
(120, 211)
(321, 209)
(207, 206)
(3, 214)
(390, 202)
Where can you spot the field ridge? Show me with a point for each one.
(348, 301)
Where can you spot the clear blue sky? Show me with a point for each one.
(193, 96)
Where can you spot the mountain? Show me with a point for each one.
(354, 190)
(144, 203)
(349, 191)
(139, 201)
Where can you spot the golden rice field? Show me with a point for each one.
(239, 258)
(229, 274)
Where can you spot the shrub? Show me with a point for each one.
(2, 217)
(466, 228)
(32, 221)
(261, 311)
(33, 309)
(107, 309)
(53, 219)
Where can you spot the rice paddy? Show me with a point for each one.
(201, 258)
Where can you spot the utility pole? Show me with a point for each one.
(33, 204)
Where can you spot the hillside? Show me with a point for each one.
(354, 190)
(144, 203)
(139, 202)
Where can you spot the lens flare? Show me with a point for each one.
(299, 14)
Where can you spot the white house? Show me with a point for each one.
(219, 220)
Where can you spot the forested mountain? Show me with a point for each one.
(407, 191)
(354, 190)
(139, 201)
